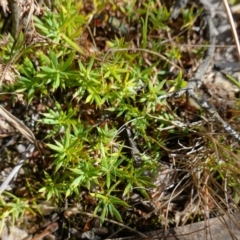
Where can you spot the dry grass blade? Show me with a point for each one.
(16, 123)
(27, 133)
(15, 170)
(231, 21)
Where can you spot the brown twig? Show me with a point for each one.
(48, 231)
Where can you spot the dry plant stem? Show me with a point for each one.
(124, 125)
(134, 150)
(16, 123)
(226, 191)
(214, 114)
(92, 38)
(174, 194)
(15, 170)
(48, 231)
(196, 81)
(29, 17)
(76, 210)
(231, 21)
(206, 195)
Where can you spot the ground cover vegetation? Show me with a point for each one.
(114, 157)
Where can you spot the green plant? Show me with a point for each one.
(94, 92)
(88, 156)
(13, 210)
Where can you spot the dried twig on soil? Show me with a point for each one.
(15, 170)
(27, 133)
(47, 232)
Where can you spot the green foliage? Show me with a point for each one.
(158, 18)
(13, 209)
(120, 84)
(57, 73)
(54, 72)
(65, 25)
(92, 97)
(6, 47)
(84, 155)
(190, 16)
(107, 204)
